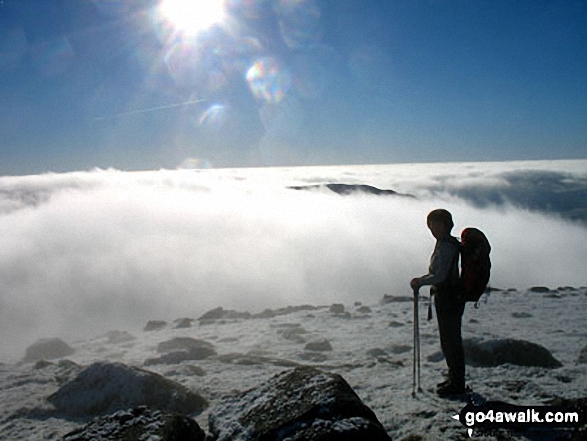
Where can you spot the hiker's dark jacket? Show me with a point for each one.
(444, 269)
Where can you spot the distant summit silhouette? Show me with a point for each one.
(347, 189)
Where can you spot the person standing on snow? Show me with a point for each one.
(443, 276)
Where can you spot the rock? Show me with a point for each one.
(521, 315)
(193, 348)
(337, 308)
(172, 358)
(293, 334)
(364, 310)
(539, 289)
(315, 357)
(183, 323)
(578, 405)
(223, 314)
(301, 404)
(401, 349)
(213, 314)
(265, 314)
(395, 299)
(497, 352)
(376, 352)
(104, 388)
(42, 364)
(115, 337)
(137, 424)
(155, 325)
(319, 345)
(435, 357)
(396, 324)
(47, 349)
(582, 356)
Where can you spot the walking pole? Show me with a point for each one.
(416, 350)
(417, 295)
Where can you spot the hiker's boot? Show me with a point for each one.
(443, 384)
(452, 387)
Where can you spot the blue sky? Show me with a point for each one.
(127, 84)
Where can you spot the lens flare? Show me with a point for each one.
(214, 117)
(194, 164)
(268, 80)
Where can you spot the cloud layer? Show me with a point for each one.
(83, 253)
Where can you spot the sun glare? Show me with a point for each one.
(192, 16)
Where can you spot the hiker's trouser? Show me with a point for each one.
(449, 312)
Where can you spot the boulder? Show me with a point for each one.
(194, 348)
(170, 358)
(223, 314)
(139, 423)
(582, 356)
(395, 299)
(293, 334)
(337, 308)
(376, 352)
(319, 345)
(184, 322)
(300, 404)
(496, 352)
(115, 337)
(104, 388)
(521, 315)
(47, 349)
(155, 325)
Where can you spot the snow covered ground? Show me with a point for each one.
(371, 349)
(91, 252)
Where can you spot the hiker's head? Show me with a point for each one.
(439, 222)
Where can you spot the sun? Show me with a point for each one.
(192, 16)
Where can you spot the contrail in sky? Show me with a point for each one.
(150, 109)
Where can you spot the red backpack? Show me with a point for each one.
(475, 264)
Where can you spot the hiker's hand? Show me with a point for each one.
(415, 284)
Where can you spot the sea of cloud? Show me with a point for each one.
(83, 253)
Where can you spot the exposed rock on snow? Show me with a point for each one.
(138, 424)
(582, 356)
(394, 299)
(181, 349)
(376, 352)
(319, 345)
(521, 315)
(220, 313)
(184, 322)
(303, 404)
(155, 325)
(47, 349)
(519, 352)
(104, 388)
(115, 337)
(224, 314)
(337, 308)
(293, 333)
(250, 359)
(193, 348)
(172, 358)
